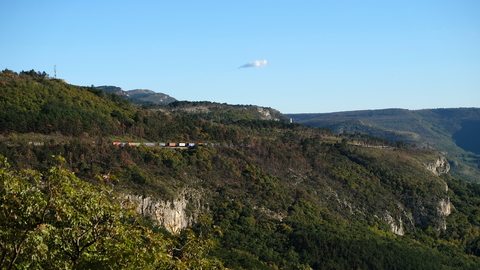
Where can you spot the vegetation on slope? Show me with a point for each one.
(53, 220)
(32, 102)
(451, 131)
(139, 96)
(277, 218)
(274, 195)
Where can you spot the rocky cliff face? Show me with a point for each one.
(419, 211)
(418, 216)
(267, 113)
(443, 211)
(174, 215)
(438, 166)
(396, 224)
(262, 113)
(184, 210)
(401, 221)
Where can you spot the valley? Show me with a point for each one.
(453, 132)
(81, 186)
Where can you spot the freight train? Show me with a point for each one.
(177, 145)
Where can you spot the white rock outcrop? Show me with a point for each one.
(396, 226)
(267, 113)
(439, 166)
(443, 211)
(169, 214)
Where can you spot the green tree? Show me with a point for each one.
(56, 221)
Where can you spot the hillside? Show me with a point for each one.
(204, 109)
(450, 131)
(219, 112)
(267, 194)
(33, 103)
(139, 96)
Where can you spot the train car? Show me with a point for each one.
(117, 143)
(149, 144)
(172, 144)
(162, 144)
(191, 144)
(182, 144)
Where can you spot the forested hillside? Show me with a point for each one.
(143, 97)
(32, 102)
(453, 132)
(267, 195)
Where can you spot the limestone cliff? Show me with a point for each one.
(418, 216)
(439, 166)
(267, 113)
(174, 215)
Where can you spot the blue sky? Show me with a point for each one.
(323, 56)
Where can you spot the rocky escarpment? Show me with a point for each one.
(403, 211)
(439, 166)
(267, 113)
(443, 211)
(419, 215)
(403, 216)
(174, 215)
(419, 211)
(217, 111)
(400, 221)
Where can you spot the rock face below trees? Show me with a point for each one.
(407, 219)
(186, 208)
(439, 166)
(174, 215)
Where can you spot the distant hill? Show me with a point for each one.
(219, 112)
(208, 110)
(453, 132)
(140, 96)
(33, 102)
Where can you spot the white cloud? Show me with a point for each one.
(258, 63)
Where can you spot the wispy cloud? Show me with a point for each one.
(258, 63)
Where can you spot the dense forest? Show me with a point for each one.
(269, 195)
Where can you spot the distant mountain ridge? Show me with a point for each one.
(453, 132)
(209, 110)
(224, 112)
(139, 96)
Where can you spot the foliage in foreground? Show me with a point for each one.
(53, 220)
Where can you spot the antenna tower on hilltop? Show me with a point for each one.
(55, 71)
